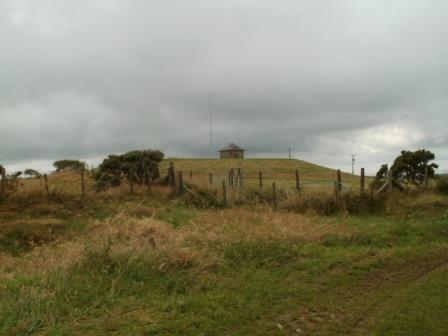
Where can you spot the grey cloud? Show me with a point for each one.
(84, 79)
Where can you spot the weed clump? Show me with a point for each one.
(442, 185)
(328, 205)
(264, 196)
(260, 252)
(200, 197)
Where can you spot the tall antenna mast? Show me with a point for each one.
(210, 107)
(353, 164)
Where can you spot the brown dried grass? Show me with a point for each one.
(125, 234)
(247, 224)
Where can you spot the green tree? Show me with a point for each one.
(382, 172)
(409, 167)
(31, 172)
(138, 166)
(69, 165)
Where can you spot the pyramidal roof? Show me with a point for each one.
(231, 147)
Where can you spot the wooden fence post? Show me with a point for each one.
(297, 180)
(40, 186)
(180, 183)
(210, 179)
(47, 188)
(171, 177)
(260, 180)
(339, 183)
(274, 195)
(390, 181)
(224, 194)
(191, 174)
(3, 183)
(83, 186)
(362, 182)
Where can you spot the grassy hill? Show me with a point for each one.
(282, 171)
(152, 264)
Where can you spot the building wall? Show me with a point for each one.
(232, 155)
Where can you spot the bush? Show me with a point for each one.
(69, 165)
(31, 173)
(139, 166)
(442, 185)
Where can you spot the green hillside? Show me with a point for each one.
(282, 171)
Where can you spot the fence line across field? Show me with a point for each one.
(234, 180)
(227, 182)
(240, 179)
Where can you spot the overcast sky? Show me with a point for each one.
(87, 78)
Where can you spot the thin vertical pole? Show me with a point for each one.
(274, 195)
(260, 180)
(210, 179)
(353, 164)
(191, 174)
(363, 181)
(339, 182)
(297, 180)
(171, 175)
(390, 180)
(210, 107)
(83, 186)
(3, 183)
(47, 189)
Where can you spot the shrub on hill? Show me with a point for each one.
(139, 166)
(69, 165)
(409, 168)
(31, 172)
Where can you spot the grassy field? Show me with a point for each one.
(312, 177)
(150, 264)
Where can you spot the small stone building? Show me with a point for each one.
(231, 151)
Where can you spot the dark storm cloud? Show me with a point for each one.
(328, 78)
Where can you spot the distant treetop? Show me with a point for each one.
(69, 165)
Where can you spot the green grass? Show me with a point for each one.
(176, 215)
(261, 287)
(241, 271)
(420, 309)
